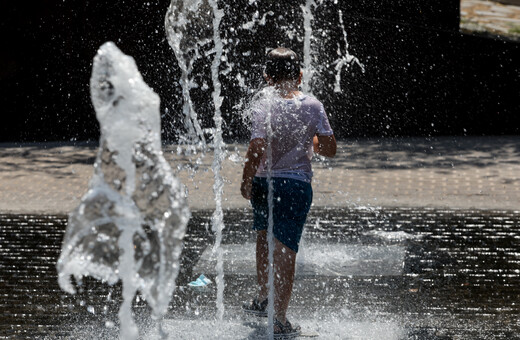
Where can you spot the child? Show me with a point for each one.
(298, 126)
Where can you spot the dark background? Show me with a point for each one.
(423, 77)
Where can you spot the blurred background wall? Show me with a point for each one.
(423, 75)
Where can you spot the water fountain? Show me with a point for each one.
(438, 259)
(190, 25)
(188, 28)
(131, 222)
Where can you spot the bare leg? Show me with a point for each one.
(262, 264)
(285, 262)
(284, 268)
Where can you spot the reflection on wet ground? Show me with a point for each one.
(362, 274)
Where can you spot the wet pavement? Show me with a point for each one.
(362, 274)
(413, 238)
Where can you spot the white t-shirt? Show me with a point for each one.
(294, 123)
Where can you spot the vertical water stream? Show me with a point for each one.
(219, 153)
(189, 26)
(270, 234)
(130, 224)
(196, 23)
(307, 48)
(186, 31)
(346, 59)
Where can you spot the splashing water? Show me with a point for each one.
(190, 25)
(187, 29)
(346, 59)
(264, 101)
(307, 48)
(194, 25)
(130, 224)
(270, 220)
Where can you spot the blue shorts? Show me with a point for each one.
(291, 203)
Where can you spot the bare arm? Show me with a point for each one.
(254, 155)
(325, 145)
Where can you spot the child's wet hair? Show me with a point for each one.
(282, 64)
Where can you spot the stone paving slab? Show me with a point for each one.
(491, 16)
(448, 172)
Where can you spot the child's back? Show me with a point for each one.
(294, 123)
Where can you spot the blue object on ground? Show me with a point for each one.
(201, 281)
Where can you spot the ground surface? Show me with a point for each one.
(392, 274)
(408, 239)
(449, 172)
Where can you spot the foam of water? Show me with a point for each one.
(130, 224)
(326, 326)
(393, 235)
